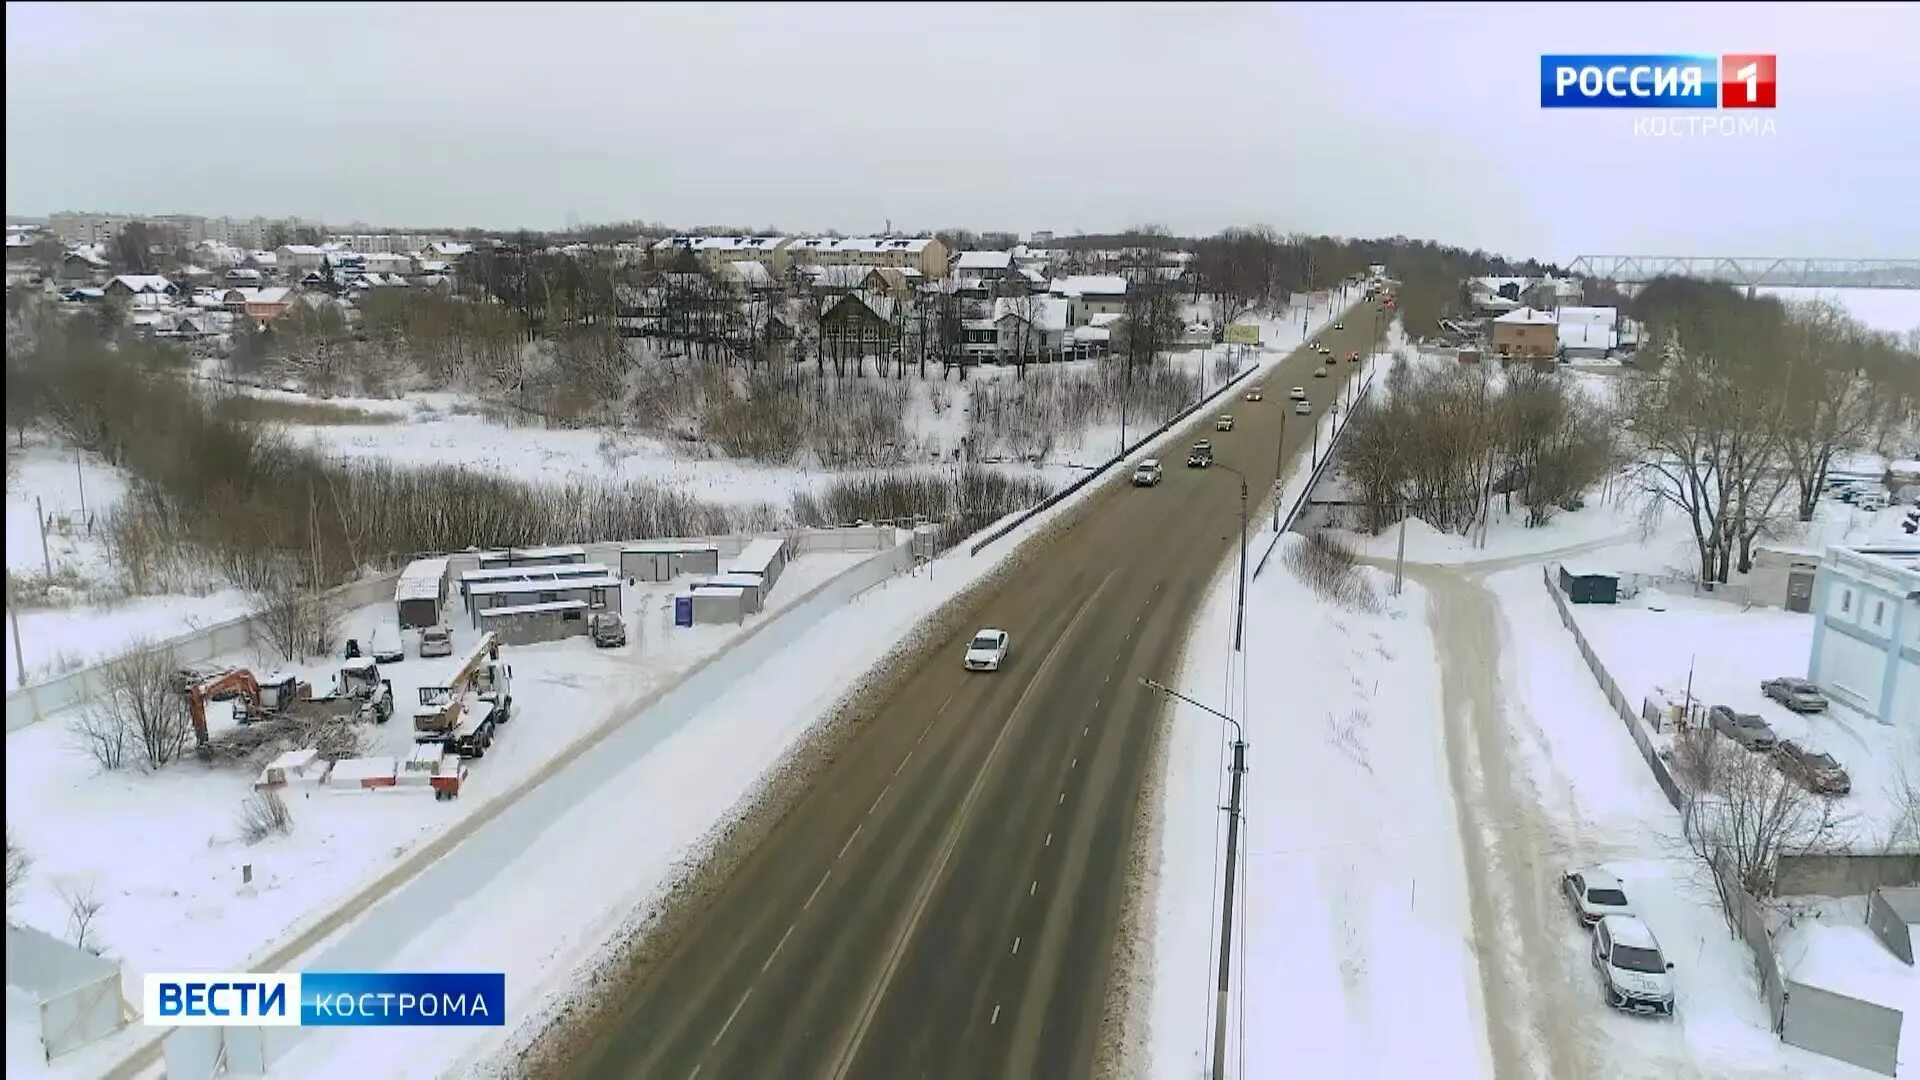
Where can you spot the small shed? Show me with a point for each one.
(766, 556)
(420, 592)
(748, 584)
(74, 994)
(1893, 914)
(1589, 587)
(719, 604)
(535, 556)
(664, 560)
(531, 624)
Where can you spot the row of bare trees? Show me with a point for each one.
(1445, 442)
(1749, 407)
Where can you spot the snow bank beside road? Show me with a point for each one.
(1356, 958)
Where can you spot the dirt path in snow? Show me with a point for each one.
(1509, 839)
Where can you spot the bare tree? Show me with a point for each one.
(139, 712)
(18, 864)
(264, 814)
(1746, 815)
(1830, 404)
(83, 907)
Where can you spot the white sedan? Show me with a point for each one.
(1299, 393)
(987, 651)
(1595, 894)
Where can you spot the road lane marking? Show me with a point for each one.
(996, 1016)
(1049, 842)
(944, 704)
(736, 1012)
(903, 762)
(817, 888)
(1063, 799)
(777, 948)
(1033, 888)
(1016, 946)
(877, 798)
(849, 843)
(1074, 764)
(696, 1070)
(851, 1048)
(1086, 729)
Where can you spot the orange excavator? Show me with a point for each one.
(253, 701)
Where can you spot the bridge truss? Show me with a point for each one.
(1755, 271)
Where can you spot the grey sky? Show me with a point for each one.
(1352, 119)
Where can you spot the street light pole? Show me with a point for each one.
(1240, 604)
(1279, 467)
(1239, 769)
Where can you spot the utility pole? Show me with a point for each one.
(80, 476)
(1240, 620)
(1279, 467)
(1239, 769)
(1400, 557)
(40, 516)
(13, 612)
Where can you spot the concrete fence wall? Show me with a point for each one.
(33, 703)
(1859, 1032)
(1844, 875)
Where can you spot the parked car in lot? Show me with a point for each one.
(387, 646)
(1746, 729)
(987, 651)
(436, 641)
(1302, 407)
(1634, 976)
(1147, 473)
(1225, 423)
(1254, 394)
(1815, 770)
(1797, 694)
(1201, 455)
(1595, 894)
(1298, 393)
(607, 629)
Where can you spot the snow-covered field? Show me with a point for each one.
(1893, 310)
(162, 851)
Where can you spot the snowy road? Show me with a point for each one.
(942, 901)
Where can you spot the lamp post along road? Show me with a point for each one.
(1238, 769)
(1240, 603)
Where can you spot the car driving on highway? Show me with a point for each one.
(1321, 372)
(1353, 357)
(1339, 326)
(1147, 473)
(1298, 393)
(1201, 455)
(1225, 423)
(1254, 394)
(987, 651)
(1302, 407)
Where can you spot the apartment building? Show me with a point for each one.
(1866, 631)
(716, 251)
(927, 254)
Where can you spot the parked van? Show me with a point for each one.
(1871, 500)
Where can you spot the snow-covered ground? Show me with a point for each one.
(1356, 957)
(161, 850)
(1892, 310)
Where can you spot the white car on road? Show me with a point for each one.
(1302, 407)
(1298, 393)
(1147, 473)
(987, 651)
(1595, 894)
(1634, 975)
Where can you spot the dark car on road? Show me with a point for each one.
(1744, 728)
(1815, 770)
(1200, 456)
(1797, 694)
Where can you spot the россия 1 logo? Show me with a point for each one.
(1606, 81)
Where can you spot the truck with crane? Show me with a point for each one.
(464, 714)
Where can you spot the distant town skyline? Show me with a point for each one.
(1413, 120)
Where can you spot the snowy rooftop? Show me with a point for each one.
(984, 260)
(533, 553)
(532, 609)
(1594, 316)
(1580, 335)
(668, 546)
(1090, 285)
(143, 283)
(535, 573)
(421, 580)
(1527, 316)
(509, 588)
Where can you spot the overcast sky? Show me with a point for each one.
(1364, 119)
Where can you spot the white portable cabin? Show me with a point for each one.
(534, 556)
(420, 593)
(766, 556)
(664, 560)
(554, 572)
(595, 593)
(718, 604)
(750, 587)
(531, 624)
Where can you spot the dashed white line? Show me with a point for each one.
(849, 843)
(1033, 888)
(903, 763)
(1074, 764)
(736, 1012)
(996, 1016)
(877, 798)
(1016, 946)
(777, 948)
(696, 1070)
(817, 888)
(1063, 799)
(1086, 729)
(1049, 841)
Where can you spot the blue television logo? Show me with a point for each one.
(1608, 81)
(326, 999)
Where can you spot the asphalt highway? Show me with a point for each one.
(943, 900)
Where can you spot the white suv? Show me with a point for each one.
(1634, 976)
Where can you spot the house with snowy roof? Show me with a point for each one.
(1526, 332)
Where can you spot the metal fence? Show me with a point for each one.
(1750, 923)
(1313, 478)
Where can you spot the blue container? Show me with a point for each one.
(683, 611)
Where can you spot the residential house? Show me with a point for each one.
(899, 282)
(263, 261)
(1588, 333)
(858, 324)
(1034, 326)
(296, 259)
(985, 265)
(1866, 632)
(260, 305)
(927, 254)
(1496, 294)
(1526, 332)
(836, 280)
(1089, 295)
(82, 265)
(387, 262)
(747, 276)
(446, 250)
(126, 286)
(714, 252)
(241, 277)
(19, 248)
